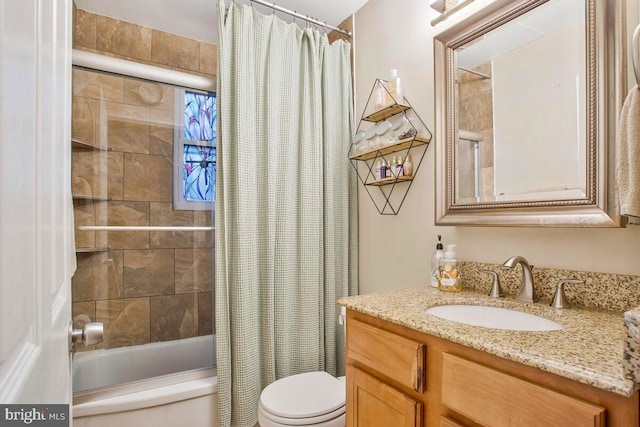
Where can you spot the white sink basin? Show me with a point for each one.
(494, 317)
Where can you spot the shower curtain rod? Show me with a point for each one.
(301, 16)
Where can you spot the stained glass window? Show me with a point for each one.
(197, 147)
(199, 117)
(199, 173)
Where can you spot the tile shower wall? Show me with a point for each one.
(148, 286)
(476, 107)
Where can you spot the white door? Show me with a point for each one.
(37, 256)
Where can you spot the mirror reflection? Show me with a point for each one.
(521, 109)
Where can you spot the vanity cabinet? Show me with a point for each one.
(397, 376)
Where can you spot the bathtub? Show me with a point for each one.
(169, 384)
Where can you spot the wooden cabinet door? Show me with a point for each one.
(493, 398)
(392, 355)
(372, 403)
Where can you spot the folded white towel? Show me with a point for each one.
(628, 156)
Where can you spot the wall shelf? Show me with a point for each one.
(387, 181)
(414, 138)
(76, 143)
(386, 112)
(90, 198)
(401, 145)
(90, 250)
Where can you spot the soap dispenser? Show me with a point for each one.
(435, 262)
(449, 278)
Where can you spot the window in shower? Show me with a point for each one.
(195, 151)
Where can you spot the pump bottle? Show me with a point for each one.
(449, 272)
(435, 262)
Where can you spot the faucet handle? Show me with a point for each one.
(560, 299)
(496, 289)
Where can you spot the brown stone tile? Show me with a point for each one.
(95, 85)
(194, 270)
(161, 132)
(84, 29)
(126, 321)
(91, 169)
(80, 312)
(123, 38)
(83, 122)
(88, 212)
(131, 115)
(164, 214)
(128, 214)
(98, 276)
(204, 239)
(173, 239)
(129, 136)
(208, 58)
(148, 178)
(84, 213)
(206, 319)
(174, 317)
(149, 272)
(485, 111)
(87, 308)
(149, 94)
(175, 51)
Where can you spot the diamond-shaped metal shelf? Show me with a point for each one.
(366, 155)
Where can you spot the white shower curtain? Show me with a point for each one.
(286, 219)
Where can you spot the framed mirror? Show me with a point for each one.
(527, 96)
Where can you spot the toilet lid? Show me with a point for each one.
(304, 395)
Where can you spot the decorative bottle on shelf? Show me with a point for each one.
(407, 167)
(381, 96)
(399, 167)
(449, 279)
(382, 174)
(394, 164)
(435, 262)
(395, 87)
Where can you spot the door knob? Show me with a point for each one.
(91, 333)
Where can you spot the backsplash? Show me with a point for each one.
(600, 291)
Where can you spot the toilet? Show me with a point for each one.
(312, 398)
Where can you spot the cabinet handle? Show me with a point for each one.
(419, 381)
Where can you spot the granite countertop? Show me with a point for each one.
(589, 349)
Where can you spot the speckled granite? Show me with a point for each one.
(589, 348)
(601, 290)
(631, 361)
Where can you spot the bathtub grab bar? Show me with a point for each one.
(141, 228)
(636, 54)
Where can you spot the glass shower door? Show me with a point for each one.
(143, 180)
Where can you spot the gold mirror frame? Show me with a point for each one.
(605, 70)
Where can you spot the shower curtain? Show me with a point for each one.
(285, 212)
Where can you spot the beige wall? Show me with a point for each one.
(395, 250)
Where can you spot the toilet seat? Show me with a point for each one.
(312, 398)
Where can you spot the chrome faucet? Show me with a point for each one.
(525, 293)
